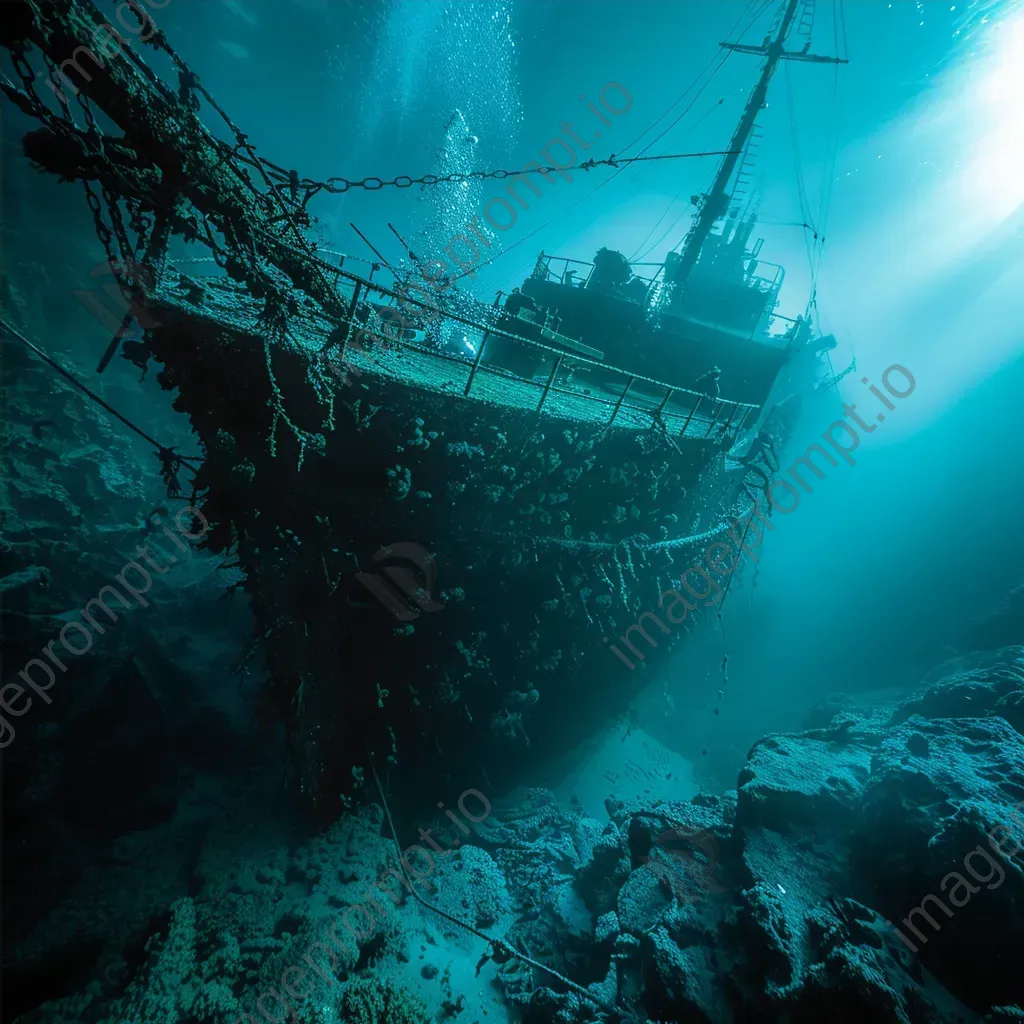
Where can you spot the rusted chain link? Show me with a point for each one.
(338, 185)
(190, 83)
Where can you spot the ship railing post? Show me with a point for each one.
(480, 351)
(652, 292)
(743, 419)
(350, 317)
(738, 426)
(714, 419)
(476, 364)
(551, 380)
(622, 398)
(735, 407)
(696, 406)
(661, 408)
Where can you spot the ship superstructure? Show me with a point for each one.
(711, 307)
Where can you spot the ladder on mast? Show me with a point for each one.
(715, 204)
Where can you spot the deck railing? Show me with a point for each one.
(558, 268)
(665, 405)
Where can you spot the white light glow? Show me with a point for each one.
(996, 174)
(941, 255)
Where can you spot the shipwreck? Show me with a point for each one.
(440, 542)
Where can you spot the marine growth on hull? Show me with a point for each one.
(409, 614)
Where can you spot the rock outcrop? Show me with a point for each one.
(868, 870)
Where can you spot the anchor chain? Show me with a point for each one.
(287, 181)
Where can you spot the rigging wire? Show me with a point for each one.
(500, 949)
(637, 255)
(170, 460)
(339, 186)
(723, 57)
(664, 235)
(636, 252)
(836, 109)
(770, 222)
(679, 192)
(700, 120)
(801, 185)
(719, 58)
(832, 152)
(607, 180)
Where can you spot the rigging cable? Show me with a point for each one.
(832, 152)
(501, 950)
(664, 235)
(289, 182)
(375, 184)
(801, 185)
(719, 58)
(637, 255)
(775, 24)
(837, 102)
(170, 460)
(619, 170)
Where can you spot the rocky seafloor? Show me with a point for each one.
(790, 899)
(156, 869)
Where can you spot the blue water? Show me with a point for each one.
(162, 867)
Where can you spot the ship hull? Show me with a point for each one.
(434, 576)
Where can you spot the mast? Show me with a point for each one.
(716, 202)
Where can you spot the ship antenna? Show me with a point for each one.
(715, 204)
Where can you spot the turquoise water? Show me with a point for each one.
(727, 824)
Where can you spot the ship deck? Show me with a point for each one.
(563, 386)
